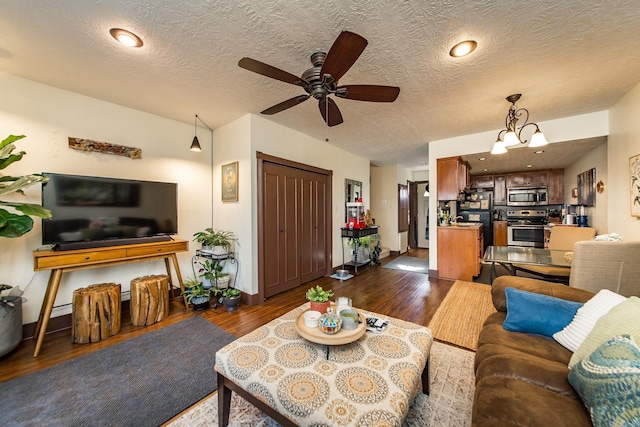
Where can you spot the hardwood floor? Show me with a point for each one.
(409, 296)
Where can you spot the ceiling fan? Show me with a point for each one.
(321, 80)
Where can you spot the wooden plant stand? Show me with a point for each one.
(149, 299)
(96, 313)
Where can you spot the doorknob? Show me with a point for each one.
(281, 230)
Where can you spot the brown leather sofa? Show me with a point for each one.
(521, 379)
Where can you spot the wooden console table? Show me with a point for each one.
(60, 262)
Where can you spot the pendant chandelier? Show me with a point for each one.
(511, 135)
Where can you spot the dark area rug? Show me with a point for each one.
(143, 381)
(409, 263)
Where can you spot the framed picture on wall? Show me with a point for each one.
(230, 182)
(634, 184)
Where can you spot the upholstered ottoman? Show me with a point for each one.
(297, 382)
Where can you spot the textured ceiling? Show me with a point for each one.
(566, 57)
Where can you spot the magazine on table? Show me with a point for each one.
(376, 325)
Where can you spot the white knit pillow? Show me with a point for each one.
(585, 319)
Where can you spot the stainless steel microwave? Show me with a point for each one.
(527, 196)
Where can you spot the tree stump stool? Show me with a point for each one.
(95, 312)
(149, 299)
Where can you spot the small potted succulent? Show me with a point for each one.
(216, 242)
(231, 298)
(196, 294)
(319, 298)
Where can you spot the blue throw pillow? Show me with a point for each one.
(608, 382)
(537, 314)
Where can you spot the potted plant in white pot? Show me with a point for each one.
(217, 243)
(15, 221)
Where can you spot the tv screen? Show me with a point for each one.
(92, 211)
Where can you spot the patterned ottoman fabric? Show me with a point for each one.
(371, 381)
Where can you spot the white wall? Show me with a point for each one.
(48, 116)
(556, 131)
(624, 142)
(596, 158)
(384, 204)
(241, 140)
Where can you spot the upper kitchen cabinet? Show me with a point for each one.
(481, 181)
(453, 177)
(555, 186)
(527, 179)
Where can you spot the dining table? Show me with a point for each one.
(506, 256)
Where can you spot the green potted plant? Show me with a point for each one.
(212, 275)
(319, 298)
(231, 298)
(15, 221)
(216, 242)
(361, 247)
(196, 294)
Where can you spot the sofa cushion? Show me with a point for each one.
(533, 285)
(501, 401)
(525, 367)
(608, 381)
(543, 347)
(575, 333)
(622, 319)
(537, 314)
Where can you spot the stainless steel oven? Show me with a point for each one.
(531, 236)
(525, 227)
(527, 196)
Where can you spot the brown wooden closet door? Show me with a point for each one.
(281, 229)
(313, 250)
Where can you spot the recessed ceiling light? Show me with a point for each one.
(482, 158)
(485, 170)
(538, 152)
(125, 37)
(463, 48)
(529, 166)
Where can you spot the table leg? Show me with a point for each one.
(47, 307)
(493, 272)
(176, 266)
(425, 377)
(224, 401)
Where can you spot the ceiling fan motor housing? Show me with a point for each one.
(319, 86)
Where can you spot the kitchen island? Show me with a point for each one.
(460, 251)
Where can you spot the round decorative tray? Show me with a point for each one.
(341, 337)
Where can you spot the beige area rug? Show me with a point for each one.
(449, 403)
(459, 318)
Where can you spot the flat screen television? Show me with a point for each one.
(89, 211)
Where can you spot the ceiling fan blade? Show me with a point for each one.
(343, 54)
(285, 104)
(331, 108)
(371, 93)
(270, 71)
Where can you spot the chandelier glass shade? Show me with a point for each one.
(511, 136)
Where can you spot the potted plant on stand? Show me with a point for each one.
(14, 222)
(216, 242)
(196, 294)
(231, 298)
(319, 298)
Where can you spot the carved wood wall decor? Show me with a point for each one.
(104, 147)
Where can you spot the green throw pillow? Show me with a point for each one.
(623, 319)
(608, 382)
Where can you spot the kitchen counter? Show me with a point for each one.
(460, 251)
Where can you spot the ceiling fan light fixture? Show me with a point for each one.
(125, 37)
(463, 48)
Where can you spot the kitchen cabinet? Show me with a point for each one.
(453, 177)
(555, 186)
(500, 190)
(499, 233)
(481, 181)
(460, 252)
(527, 179)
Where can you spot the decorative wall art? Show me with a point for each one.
(104, 147)
(230, 182)
(587, 188)
(634, 184)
